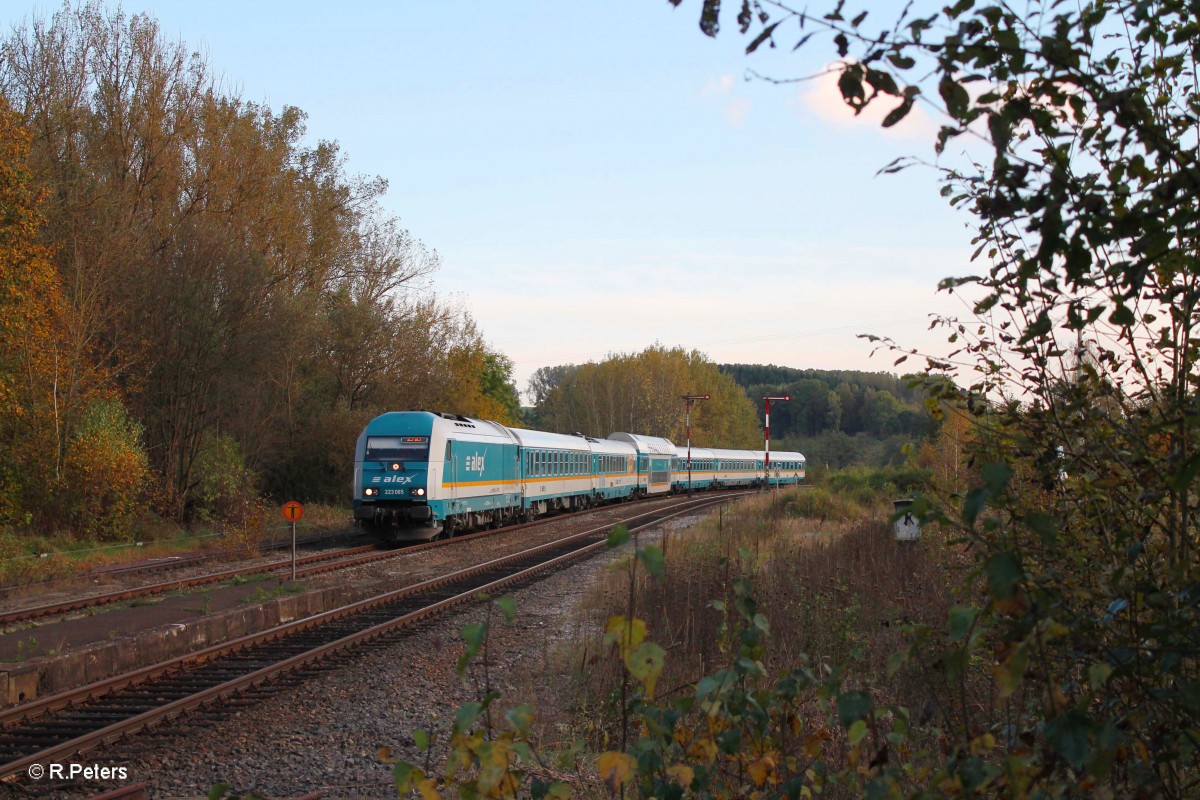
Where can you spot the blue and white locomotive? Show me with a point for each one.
(421, 475)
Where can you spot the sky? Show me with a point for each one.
(598, 176)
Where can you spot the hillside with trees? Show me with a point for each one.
(839, 418)
(640, 393)
(192, 297)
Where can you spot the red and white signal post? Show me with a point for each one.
(767, 432)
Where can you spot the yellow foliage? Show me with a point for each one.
(640, 393)
(682, 774)
(625, 634)
(616, 768)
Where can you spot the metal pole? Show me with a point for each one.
(688, 417)
(688, 399)
(293, 549)
(767, 434)
(767, 440)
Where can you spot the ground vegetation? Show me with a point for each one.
(1066, 664)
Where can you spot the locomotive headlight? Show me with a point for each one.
(419, 492)
(369, 492)
(395, 467)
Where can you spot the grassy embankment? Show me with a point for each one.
(27, 559)
(834, 585)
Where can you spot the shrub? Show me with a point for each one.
(226, 489)
(104, 471)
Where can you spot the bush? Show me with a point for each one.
(226, 489)
(104, 472)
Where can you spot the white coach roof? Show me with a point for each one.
(549, 441)
(741, 455)
(652, 445)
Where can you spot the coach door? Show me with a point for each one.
(450, 471)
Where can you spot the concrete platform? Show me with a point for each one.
(45, 659)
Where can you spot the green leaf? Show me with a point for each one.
(850, 85)
(1098, 674)
(520, 718)
(975, 501)
(955, 96)
(508, 607)
(1003, 571)
(1069, 735)
(1043, 525)
(646, 663)
(853, 706)
(858, 731)
(218, 791)
(897, 660)
(651, 557)
(996, 476)
(466, 715)
(406, 776)
(421, 739)
(1122, 316)
(707, 685)
(618, 536)
(762, 37)
(961, 620)
(474, 635)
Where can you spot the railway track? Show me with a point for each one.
(307, 565)
(60, 726)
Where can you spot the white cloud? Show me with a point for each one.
(735, 108)
(721, 85)
(736, 111)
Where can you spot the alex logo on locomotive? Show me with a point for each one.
(474, 463)
(393, 479)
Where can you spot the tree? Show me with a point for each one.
(641, 394)
(1083, 514)
(30, 307)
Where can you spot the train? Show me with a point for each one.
(422, 475)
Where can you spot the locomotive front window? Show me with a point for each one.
(397, 448)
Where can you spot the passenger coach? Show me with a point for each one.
(654, 456)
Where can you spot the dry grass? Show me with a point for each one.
(827, 574)
(27, 559)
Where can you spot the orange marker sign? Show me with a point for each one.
(292, 511)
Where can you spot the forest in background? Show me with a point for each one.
(837, 418)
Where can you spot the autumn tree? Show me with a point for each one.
(233, 280)
(30, 307)
(641, 393)
(70, 454)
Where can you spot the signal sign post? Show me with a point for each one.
(688, 399)
(767, 434)
(292, 512)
